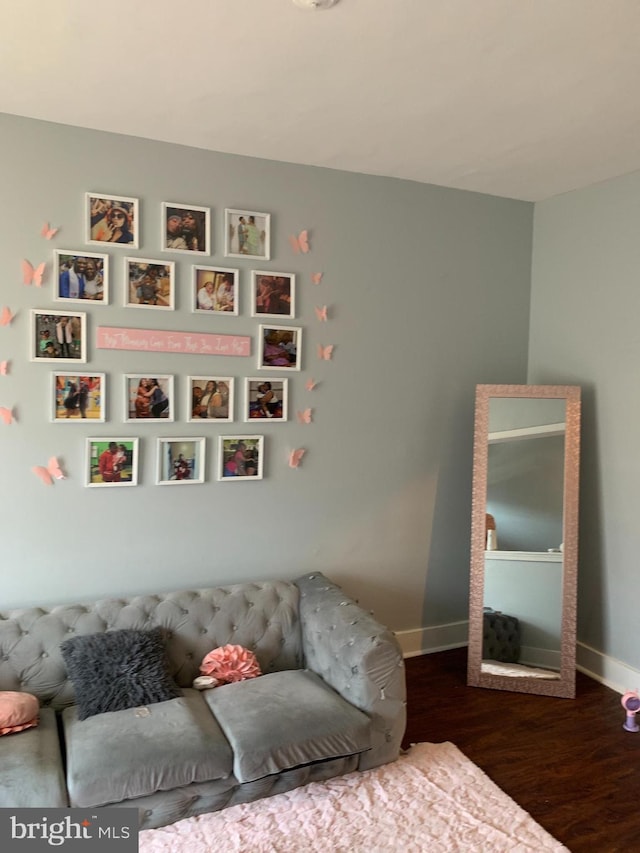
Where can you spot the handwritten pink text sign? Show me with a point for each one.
(192, 343)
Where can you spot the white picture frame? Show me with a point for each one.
(58, 336)
(119, 468)
(279, 348)
(193, 236)
(92, 291)
(257, 240)
(149, 398)
(273, 294)
(202, 403)
(215, 291)
(267, 405)
(102, 227)
(181, 461)
(150, 283)
(78, 398)
(250, 447)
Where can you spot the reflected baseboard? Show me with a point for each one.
(543, 658)
(612, 673)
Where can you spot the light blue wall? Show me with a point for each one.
(584, 330)
(429, 292)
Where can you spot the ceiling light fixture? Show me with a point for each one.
(315, 4)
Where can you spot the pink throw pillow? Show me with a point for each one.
(230, 663)
(18, 711)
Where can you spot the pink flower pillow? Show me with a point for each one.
(230, 663)
(18, 711)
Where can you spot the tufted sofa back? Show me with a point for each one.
(262, 617)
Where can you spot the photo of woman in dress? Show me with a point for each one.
(247, 234)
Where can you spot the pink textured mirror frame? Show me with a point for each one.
(524, 539)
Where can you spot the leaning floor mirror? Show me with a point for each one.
(524, 539)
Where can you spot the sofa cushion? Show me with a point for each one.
(284, 720)
(18, 711)
(115, 670)
(32, 774)
(131, 753)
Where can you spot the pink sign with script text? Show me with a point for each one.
(154, 340)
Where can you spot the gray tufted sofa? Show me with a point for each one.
(331, 700)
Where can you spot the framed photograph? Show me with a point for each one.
(149, 399)
(210, 398)
(247, 234)
(81, 276)
(186, 228)
(215, 291)
(280, 347)
(112, 219)
(180, 461)
(58, 336)
(273, 294)
(78, 398)
(240, 457)
(112, 462)
(266, 399)
(149, 283)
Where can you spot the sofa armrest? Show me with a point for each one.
(359, 658)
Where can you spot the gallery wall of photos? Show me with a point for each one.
(75, 323)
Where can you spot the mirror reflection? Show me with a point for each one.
(524, 540)
(523, 561)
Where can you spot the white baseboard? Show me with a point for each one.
(438, 638)
(612, 673)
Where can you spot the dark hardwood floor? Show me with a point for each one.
(568, 762)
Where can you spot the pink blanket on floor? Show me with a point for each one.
(431, 800)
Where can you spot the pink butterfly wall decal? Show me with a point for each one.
(300, 243)
(47, 232)
(31, 274)
(316, 277)
(6, 316)
(321, 313)
(295, 457)
(310, 384)
(304, 417)
(4, 368)
(325, 353)
(51, 472)
(6, 415)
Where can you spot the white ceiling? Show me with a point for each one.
(517, 98)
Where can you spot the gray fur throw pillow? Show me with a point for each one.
(120, 669)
